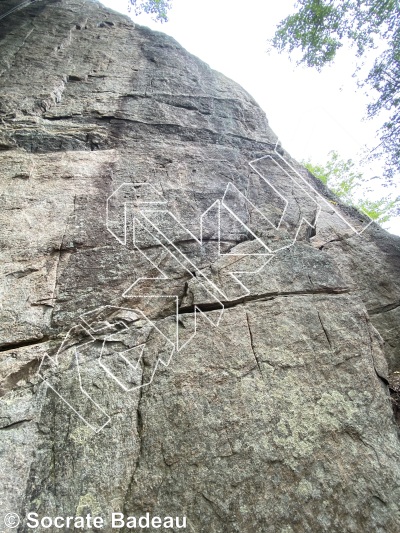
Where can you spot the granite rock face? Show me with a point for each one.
(191, 325)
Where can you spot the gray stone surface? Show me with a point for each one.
(273, 414)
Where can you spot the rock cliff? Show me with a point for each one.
(191, 325)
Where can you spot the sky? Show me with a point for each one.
(312, 113)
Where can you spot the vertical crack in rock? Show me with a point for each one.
(140, 428)
(252, 343)
(61, 253)
(324, 330)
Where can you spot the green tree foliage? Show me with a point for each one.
(319, 29)
(343, 179)
(157, 8)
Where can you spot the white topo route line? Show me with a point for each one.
(136, 214)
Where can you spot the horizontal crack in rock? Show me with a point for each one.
(29, 342)
(384, 309)
(204, 307)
